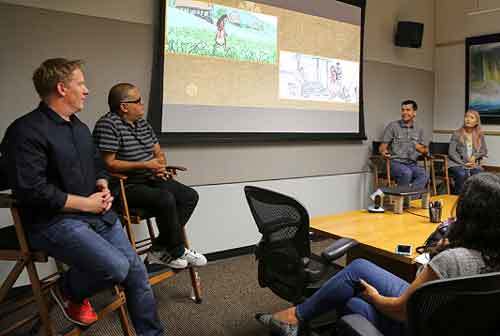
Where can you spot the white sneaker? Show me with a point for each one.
(194, 258)
(163, 258)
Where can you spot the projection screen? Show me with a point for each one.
(234, 70)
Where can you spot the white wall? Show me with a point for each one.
(457, 20)
(138, 11)
(222, 219)
(381, 20)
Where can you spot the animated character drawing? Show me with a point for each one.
(337, 90)
(221, 34)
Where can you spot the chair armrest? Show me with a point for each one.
(378, 158)
(173, 169)
(119, 176)
(338, 248)
(6, 201)
(356, 325)
(176, 168)
(439, 156)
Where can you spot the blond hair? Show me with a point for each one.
(477, 132)
(53, 71)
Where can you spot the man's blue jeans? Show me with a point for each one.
(338, 294)
(409, 173)
(460, 174)
(99, 257)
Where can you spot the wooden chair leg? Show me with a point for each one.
(122, 313)
(447, 178)
(11, 278)
(150, 229)
(388, 172)
(375, 177)
(46, 325)
(195, 278)
(433, 178)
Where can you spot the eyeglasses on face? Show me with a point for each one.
(137, 101)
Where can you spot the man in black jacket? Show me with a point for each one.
(62, 188)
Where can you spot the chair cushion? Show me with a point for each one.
(8, 238)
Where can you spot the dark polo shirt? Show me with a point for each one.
(48, 158)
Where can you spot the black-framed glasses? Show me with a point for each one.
(137, 101)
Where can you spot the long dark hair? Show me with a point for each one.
(477, 225)
(221, 19)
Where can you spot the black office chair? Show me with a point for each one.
(438, 152)
(459, 306)
(286, 264)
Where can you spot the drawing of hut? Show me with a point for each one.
(197, 8)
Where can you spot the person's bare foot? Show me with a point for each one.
(287, 315)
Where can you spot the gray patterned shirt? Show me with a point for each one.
(457, 262)
(402, 140)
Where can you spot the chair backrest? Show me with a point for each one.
(438, 148)
(459, 306)
(284, 225)
(375, 146)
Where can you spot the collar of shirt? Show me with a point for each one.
(403, 125)
(134, 125)
(54, 116)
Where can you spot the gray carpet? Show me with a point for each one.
(231, 297)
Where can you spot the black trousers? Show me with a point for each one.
(171, 203)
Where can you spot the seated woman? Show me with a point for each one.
(471, 248)
(467, 148)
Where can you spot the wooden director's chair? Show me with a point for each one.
(132, 216)
(439, 165)
(14, 247)
(381, 167)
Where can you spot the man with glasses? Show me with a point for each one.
(60, 182)
(129, 146)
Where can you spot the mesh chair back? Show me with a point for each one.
(439, 148)
(459, 306)
(284, 225)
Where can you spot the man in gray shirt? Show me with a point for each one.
(403, 142)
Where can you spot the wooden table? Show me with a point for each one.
(380, 233)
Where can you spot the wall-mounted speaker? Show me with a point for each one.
(409, 34)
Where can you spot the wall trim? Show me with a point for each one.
(408, 66)
(491, 169)
(483, 11)
(366, 171)
(231, 253)
(445, 131)
(450, 43)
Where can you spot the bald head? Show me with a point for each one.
(119, 93)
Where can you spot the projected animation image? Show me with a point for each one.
(315, 78)
(206, 29)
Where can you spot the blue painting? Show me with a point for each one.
(484, 79)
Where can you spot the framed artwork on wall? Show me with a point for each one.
(482, 54)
